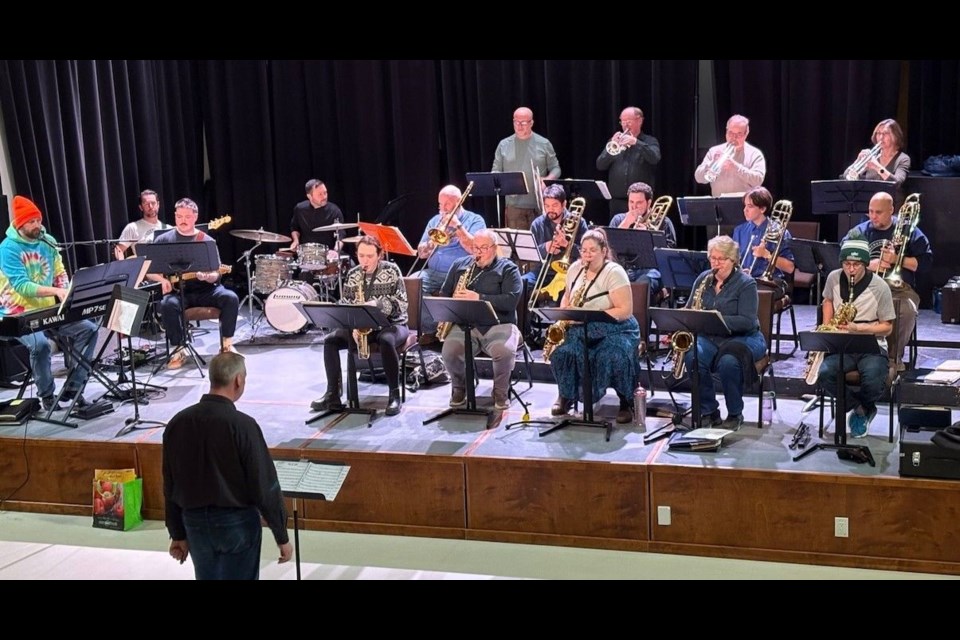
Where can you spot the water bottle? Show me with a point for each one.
(640, 407)
(767, 410)
(937, 296)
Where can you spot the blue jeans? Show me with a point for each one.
(728, 370)
(82, 334)
(647, 275)
(224, 542)
(873, 378)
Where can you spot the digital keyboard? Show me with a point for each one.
(47, 318)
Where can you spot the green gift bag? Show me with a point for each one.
(117, 499)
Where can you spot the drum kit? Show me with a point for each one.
(314, 272)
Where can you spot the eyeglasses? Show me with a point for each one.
(628, 120)
(718, 258)
(852, 263)
(736, 134)
(486, 247)
(523, 123)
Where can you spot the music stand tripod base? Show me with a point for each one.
(606, 425)
(344, 412)
(855, 451)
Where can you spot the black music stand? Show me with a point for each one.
(679, 268)
(586, 316)
(467, 314)
(497, 183)
(587, 189)
(696, 322)
(635, 247)
(518, 245)
(850, 197)
(179, 258)
(703, 211)
(345, 316)
(841, 343)
(123, 317)
(814, 256)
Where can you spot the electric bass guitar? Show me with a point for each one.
(192, 275)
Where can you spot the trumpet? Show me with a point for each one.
(853, 171)
(439, 235)
(615, 147)
(714, 170)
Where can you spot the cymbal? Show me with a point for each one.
(352, 239)
(338, 226)
(260, 235)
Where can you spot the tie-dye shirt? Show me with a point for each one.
(25, 266)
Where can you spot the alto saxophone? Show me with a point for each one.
(443, 328)
(363, 345)
(845, 313)
(557, 332)
(681, 341)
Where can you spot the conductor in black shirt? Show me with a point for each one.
(219, 479)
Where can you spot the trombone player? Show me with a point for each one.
(374, 281)
(484, 276)
(548, 232)
(762, 238)
(629, 156)
(888, 239)
(639, 197)
(458, 227)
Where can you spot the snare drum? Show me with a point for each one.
(271, 272)
(279, 309)
(313, 256)
(335, 264)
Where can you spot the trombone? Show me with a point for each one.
(439, 235)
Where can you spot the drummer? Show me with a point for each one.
(316, 211)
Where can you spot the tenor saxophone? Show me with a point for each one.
(443, 328)
(363, 344)
(681, 341)
(845, 313)
(557, 332)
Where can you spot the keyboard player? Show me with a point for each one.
(32, 276)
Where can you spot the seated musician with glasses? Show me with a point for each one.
(548, 233)
(458, 226)
(374, 281)
(757, 238)
(735, 166)
(853, 283)
(888, 238)
(639, 198)
(202, 290)
(484, 276)
(32, 277)
(597, 282)
(727, 289)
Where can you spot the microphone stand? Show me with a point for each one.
(251, 296)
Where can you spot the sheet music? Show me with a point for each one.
(123, 317)
(318, 478)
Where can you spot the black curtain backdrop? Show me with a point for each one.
(86, 136)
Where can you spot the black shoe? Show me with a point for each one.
(733, 422)
(329, 402)
(49, 402)
(562, 406)
(393, 404)
(68, 398)
(711, 419)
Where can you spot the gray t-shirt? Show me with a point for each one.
(874, 303)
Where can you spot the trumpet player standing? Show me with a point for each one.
(484, 276)
(727, 289)
(458, 225)
(758, 241)
(735, 166)
(854, 283)
(639, 197)
(629, 156)
(378, 282)
(888, 239)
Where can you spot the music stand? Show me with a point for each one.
(679, 268)
(586, 316)
(587, 189)
(840, 342)
(703, 211)
(466, 314)
(635, 247)
(179, 258)
(814, 256)
(124, 316)
(345, 316)
(520, 245)
(838, 197)
(498, 183)
(391, 238)
(695, 322)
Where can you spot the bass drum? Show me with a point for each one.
(279, 309)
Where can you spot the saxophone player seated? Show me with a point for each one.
(484, 276)
(377, 282)
(727, 289)
(597, 282)
(639, 197)
(854, 284)
(759, 236)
